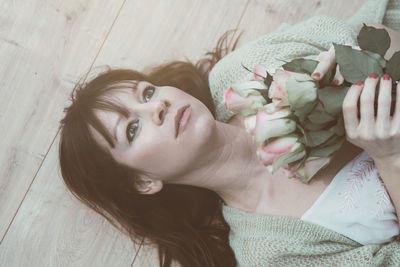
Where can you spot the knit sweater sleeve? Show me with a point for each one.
(265, 240)
(304, 39)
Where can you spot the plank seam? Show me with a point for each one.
(58, 131)
(137, 252)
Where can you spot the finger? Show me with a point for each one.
(326, 62)
(367, 103)
(350, 109)
(338, 79)
(395, 127)
(384, 101)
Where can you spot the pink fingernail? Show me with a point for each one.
(316, 74)
(336, 82)
(373, 75)
(386, 77)
(359, 83)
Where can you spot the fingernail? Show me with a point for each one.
(373, 75)
(316, 74)
(359, 83)
(336, 82)
(386, 77)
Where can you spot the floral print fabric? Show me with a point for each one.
(356, 204)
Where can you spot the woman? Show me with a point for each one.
(146, 152)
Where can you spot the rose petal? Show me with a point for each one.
(275, 148)
(273, 125)
(250, 124)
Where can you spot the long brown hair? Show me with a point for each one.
(185, 222)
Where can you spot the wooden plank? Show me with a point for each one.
(264, 16)
(52, 228)
(46, 46)
(153, 32)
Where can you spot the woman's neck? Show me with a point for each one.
(234, 170)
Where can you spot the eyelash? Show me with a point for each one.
(148, 87)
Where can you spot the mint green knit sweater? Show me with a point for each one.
(305, 39)
(266, 240)
(260, 240)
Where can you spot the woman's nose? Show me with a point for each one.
(160, 111)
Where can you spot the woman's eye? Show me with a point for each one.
(150, 89)
(131, 130)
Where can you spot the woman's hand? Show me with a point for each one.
(327, 61)
(380, 136)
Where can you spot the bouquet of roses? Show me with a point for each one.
(297, 121)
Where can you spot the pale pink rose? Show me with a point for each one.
(250, 124)
(273, 149)
(277, 89)
(234, 102)
(273, 125)
(277, 94)
(261, 71)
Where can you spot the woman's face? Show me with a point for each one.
(146, 140)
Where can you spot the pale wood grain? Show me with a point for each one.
(46, 46)
(153, 32)
(264, 16)
(52, 228)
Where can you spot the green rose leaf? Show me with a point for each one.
(303, 112)
(326, 151)
(315, 138)
(309, 125)
(379, 58)
(393, 66)
(308, 174)
(319, 115)
(301, 89)
(301, 65)
(303, 138)
(356, 65)
(302, 162)
(338, 128)
(297, 153)
(333, 140)
(374, 40)
(332, 98)
(249, 88)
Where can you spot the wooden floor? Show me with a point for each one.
(46, 46)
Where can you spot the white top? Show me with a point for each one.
(356, 204)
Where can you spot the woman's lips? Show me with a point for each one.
(183, 121)
(178, 117)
